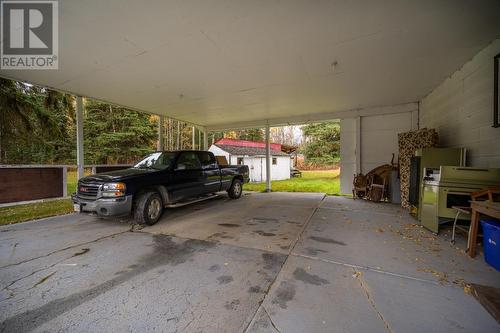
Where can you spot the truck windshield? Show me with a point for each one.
(157, 161)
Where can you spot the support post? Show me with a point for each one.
(178, 138)
(358, 145)
(194, 139)
(161, 121)
(205, 140)
(268, 159)
(79, 137)
(65, 181)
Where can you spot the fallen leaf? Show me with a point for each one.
(467, 289)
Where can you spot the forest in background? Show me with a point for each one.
(38, 126)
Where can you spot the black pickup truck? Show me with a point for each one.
(160, 180)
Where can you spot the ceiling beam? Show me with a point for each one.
(317, 117)
(200, 127)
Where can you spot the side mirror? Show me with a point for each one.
(180, 167)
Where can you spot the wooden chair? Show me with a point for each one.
(376, 188)
(490, 194)
(359, 186)
(460, 210)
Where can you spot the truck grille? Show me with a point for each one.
(88, 191)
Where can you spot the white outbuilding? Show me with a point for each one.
(253, 154)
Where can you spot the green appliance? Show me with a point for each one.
(433, 158)
(451, 186)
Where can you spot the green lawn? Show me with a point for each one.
(21, 213)
(325, 181)
(71, 182)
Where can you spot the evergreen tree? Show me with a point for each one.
(24, 122)
(321, 144)
(117, 135)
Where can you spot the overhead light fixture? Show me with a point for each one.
(334, 65)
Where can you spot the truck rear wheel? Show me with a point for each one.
(149, 208)
(235, 190)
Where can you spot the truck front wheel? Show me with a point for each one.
(235, 190)
(149, 208)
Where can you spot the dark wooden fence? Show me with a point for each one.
(32, 182)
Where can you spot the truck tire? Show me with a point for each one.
(235, 190)
(149, 208)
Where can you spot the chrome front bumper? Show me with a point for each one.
(105, 207)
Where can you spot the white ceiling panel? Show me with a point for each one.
(216, 62)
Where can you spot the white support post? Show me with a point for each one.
(268, 159)
(79, 137)
(205, 140)
(65, 181)
(194, 139)
(178, 137)
(161, 121)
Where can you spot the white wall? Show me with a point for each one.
(461, 110)
(379, 137)
(281, 170)
(369, 141)
(257, 165)
(348, 149)
(219, 152)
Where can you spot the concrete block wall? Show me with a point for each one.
(379, 137)
(461, 110)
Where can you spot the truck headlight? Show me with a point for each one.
(113, 190)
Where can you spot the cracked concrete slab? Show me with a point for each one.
(384, 239)
(336, 304)
(138, 281)
(17, 243)
(261, 323)
(415, 306)
(270, 223)
(205, 267)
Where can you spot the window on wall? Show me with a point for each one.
(275, 161)
(240, 161)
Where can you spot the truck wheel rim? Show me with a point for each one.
(237, 188)
(154, 209)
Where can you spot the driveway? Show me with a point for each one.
(278, 262)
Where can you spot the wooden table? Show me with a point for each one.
(480, 207)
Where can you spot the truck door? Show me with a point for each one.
(187, 180)
(211, 172)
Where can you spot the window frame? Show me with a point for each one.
(188, 169)
(213, 161)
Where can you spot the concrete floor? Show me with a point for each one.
(279, 262)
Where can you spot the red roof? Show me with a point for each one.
(245, 143)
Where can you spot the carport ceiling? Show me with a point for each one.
(219, 62)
